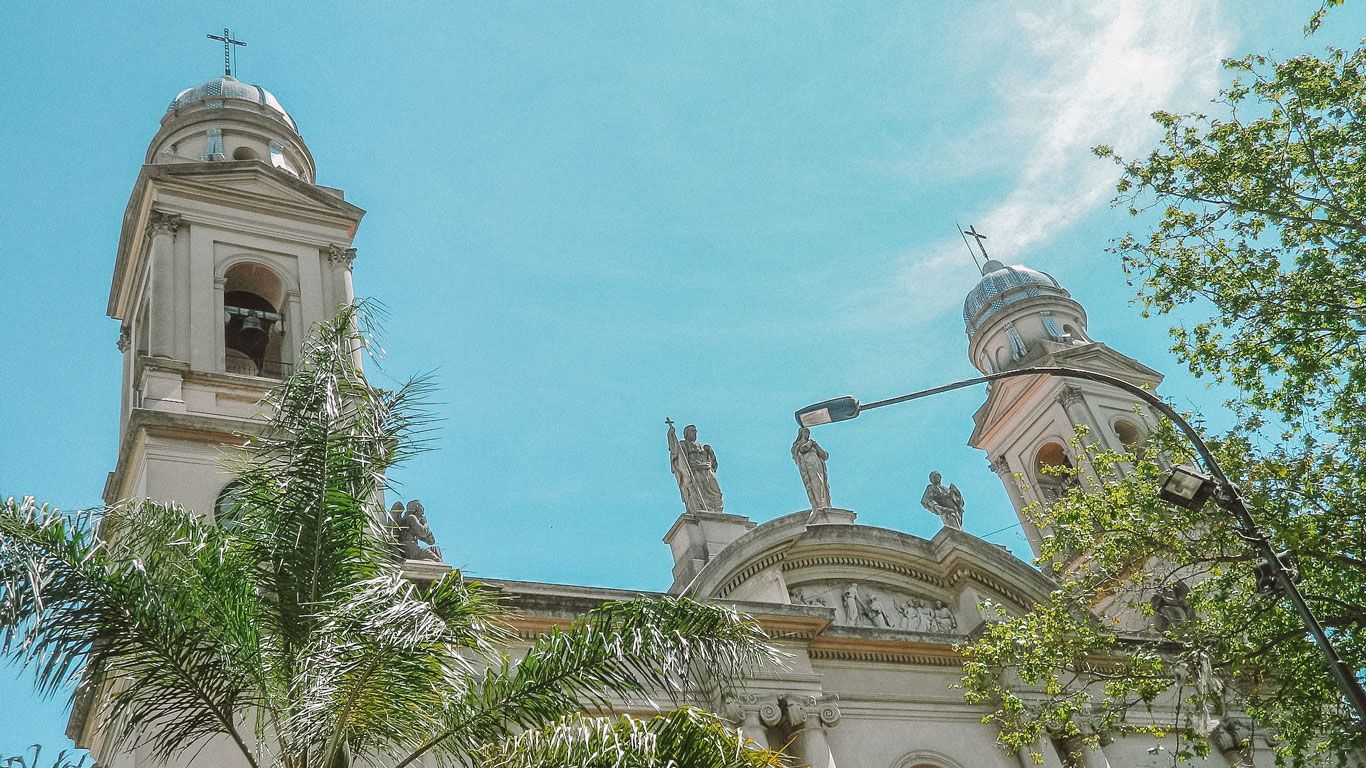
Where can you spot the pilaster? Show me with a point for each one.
(161, 228)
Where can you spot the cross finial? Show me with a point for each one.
(228, 52)
(979, 237)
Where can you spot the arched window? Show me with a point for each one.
(245, 153)
(253, 333)
(1002, 359)
(1130, 436)
(1073, 335)
(223, 506)
(1051, 471)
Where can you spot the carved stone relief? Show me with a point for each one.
(864, 605)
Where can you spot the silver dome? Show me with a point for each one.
(221, 89)
(1003, 287)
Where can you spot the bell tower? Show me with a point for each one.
(229, 253)
(1018, 317)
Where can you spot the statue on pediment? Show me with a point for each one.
(810, 458)
(694, 466)
(945, 502)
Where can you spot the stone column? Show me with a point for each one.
(809, 716)
(161, 229)
(342, 258)
(1003, 471)
(1072, 401)
(220, 285)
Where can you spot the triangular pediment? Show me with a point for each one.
(1006, 395)
(251, 184)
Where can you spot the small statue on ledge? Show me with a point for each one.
(947, 503)
(411, 529)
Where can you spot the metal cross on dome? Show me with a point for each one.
(228, 43)
(972, 232)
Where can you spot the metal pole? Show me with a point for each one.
(1228, 498)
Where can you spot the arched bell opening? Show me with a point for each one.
(253, 328)
(1053, 471)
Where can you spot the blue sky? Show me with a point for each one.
(584, 218)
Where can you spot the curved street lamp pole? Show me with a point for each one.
(1226, 494)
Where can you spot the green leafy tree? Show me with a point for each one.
(289, 630)
(1256, 218)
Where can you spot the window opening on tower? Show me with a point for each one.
(252, 328)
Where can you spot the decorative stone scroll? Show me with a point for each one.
(876, 607)
(811, 712)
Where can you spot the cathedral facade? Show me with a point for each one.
(230, 250)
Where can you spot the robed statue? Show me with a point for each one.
(810, 458)
(946, 502)
(694, 466)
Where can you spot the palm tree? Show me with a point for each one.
(288, 629)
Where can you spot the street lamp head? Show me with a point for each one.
(1186, 487)
(838, 409)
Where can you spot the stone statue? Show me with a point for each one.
(943, 618)
(877, 612)
(694, 465)
(947, 503)
(411, 529)
(1171, 605)
(851, 605)
(811, 458)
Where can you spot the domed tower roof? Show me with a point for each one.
(229, 92)
(1002, 286)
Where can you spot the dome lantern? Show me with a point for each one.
(1015, 313)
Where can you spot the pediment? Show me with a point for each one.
(876, 606)
(895, 577)
(1008, 394)
(251, 184)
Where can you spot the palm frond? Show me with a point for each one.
(683, 738)
(310, 505)
(384, 662)
(640, 651)
(164, 623)
(30, 759)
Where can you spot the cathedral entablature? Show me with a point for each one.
(873, 580)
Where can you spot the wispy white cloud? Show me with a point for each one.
(1078, 74)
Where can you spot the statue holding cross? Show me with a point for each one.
(694, 466)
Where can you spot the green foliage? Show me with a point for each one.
(1256, 218)
(1096, 658)
(288, 626)
(1262, 220)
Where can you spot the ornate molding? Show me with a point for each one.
(864, 562)
(1070, 395)
(884, 657)
(160, 222)
(1000, 466)
(125, 338)
(341, 256)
